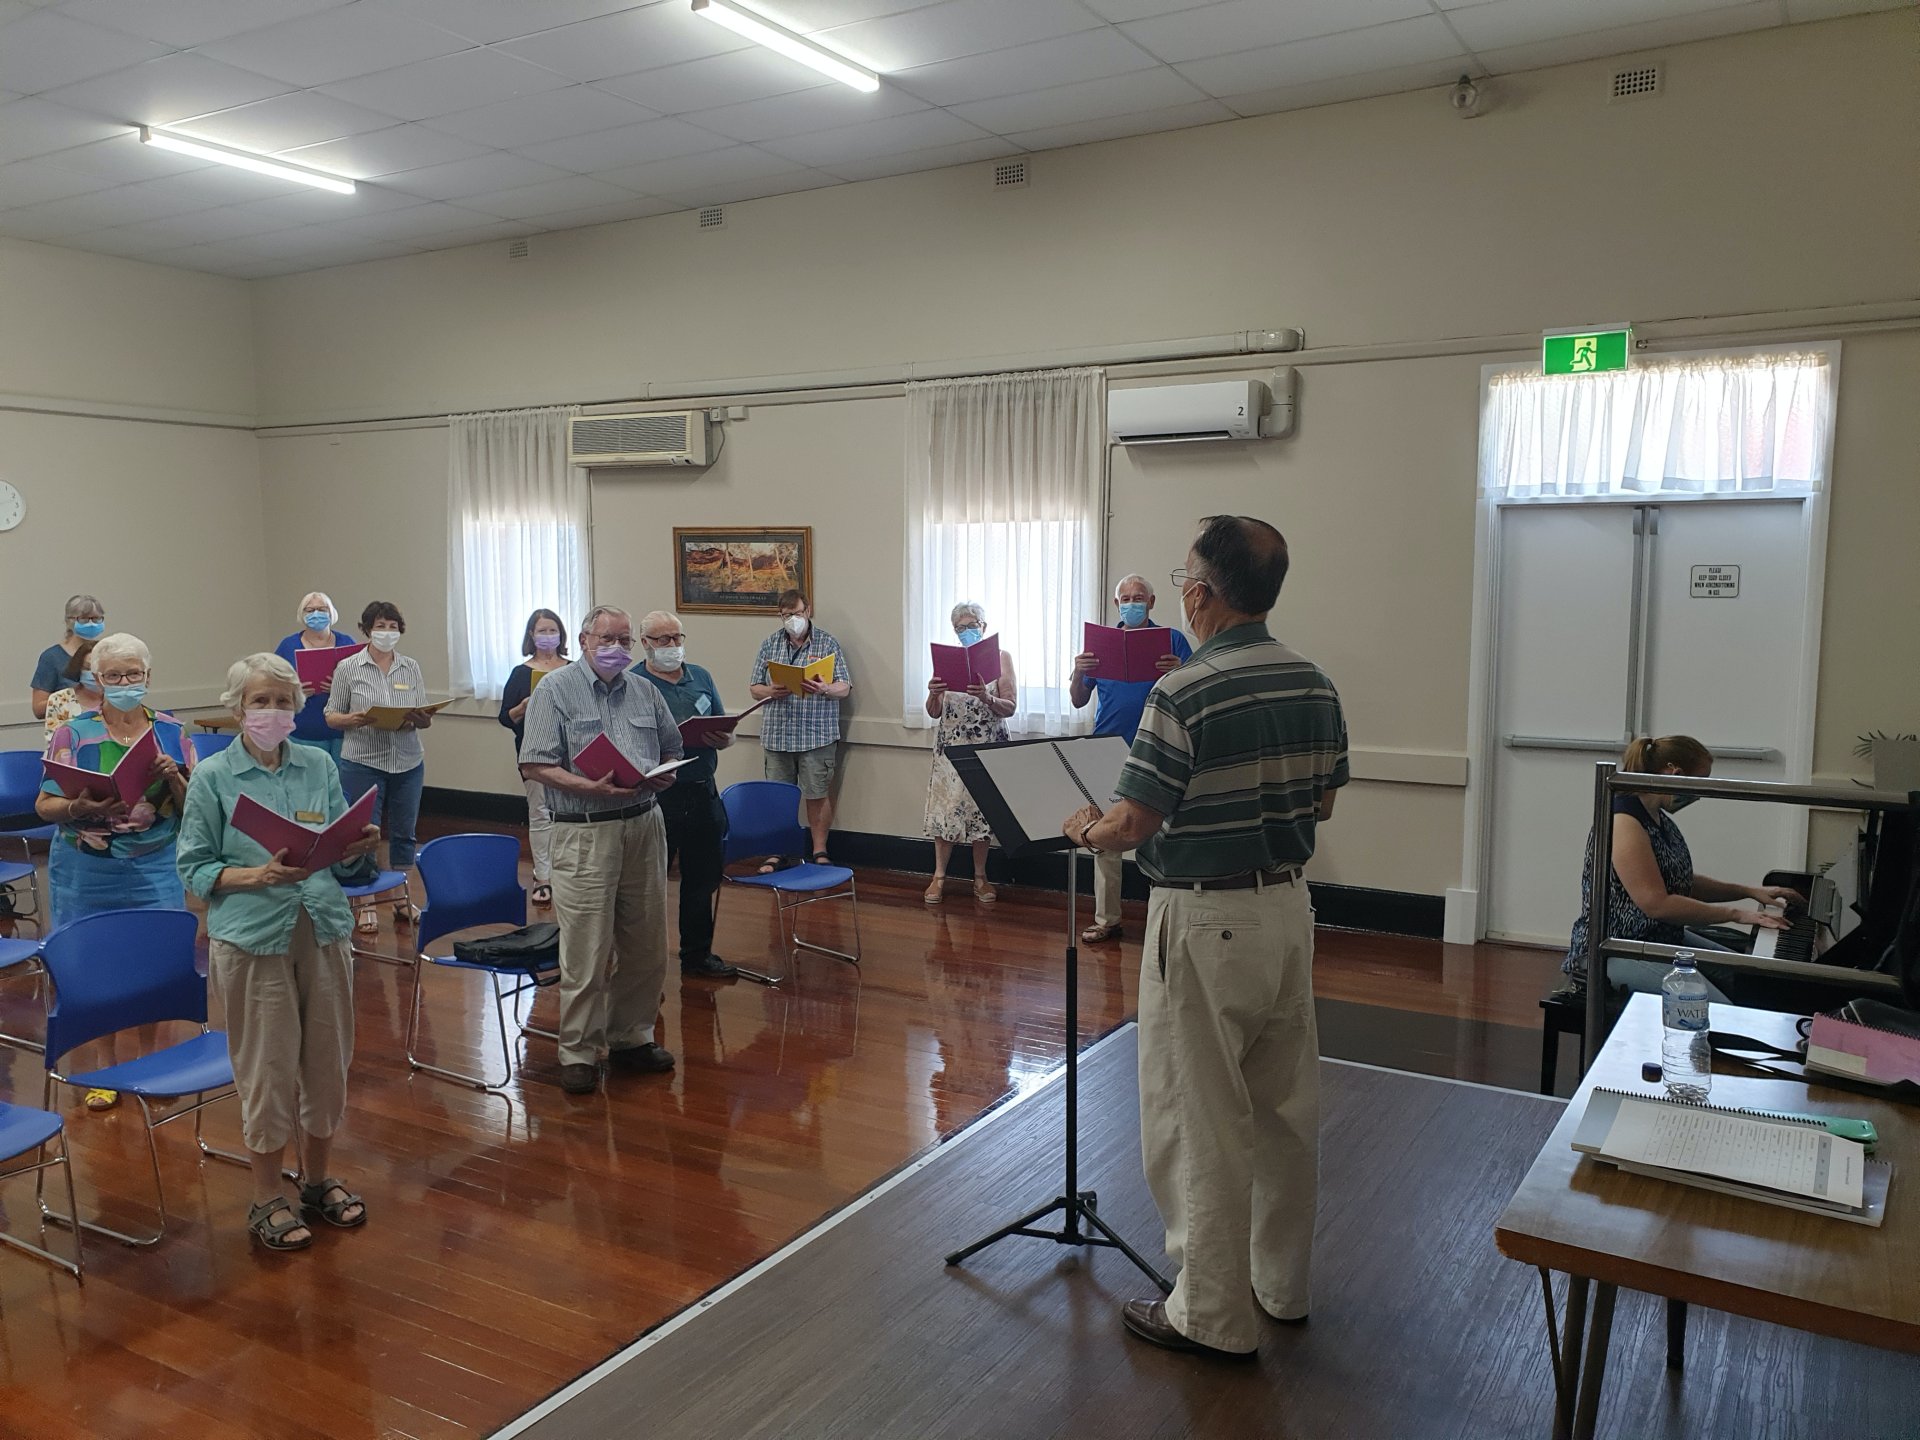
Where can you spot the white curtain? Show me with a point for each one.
(1753, 424)
(516, 541)
(1004, 478)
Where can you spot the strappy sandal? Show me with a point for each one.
(937, 891)
(1096, 934)
(273, 1236)
(367, 922)
(820, 857)
(404, 913)
(777, 862)
(314, 1198)
(984, 893)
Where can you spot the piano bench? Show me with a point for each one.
(1564, 1012)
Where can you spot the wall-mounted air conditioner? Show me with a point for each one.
(1168, 414)
(660, 437)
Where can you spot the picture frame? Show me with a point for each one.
(740, 569)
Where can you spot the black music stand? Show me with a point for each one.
(1024, 804)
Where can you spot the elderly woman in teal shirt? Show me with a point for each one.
(279, 950)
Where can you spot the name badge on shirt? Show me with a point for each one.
(702, 705)
(309, 817)
(400, 686)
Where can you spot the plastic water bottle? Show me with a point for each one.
(1686, 1053)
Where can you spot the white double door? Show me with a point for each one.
(1619, 619)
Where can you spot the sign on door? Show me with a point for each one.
(1716, 582)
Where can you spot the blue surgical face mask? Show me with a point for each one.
(89, 629)
(125, 697)
(86, 680)
(970, 635)
(1133, 612)
(317, 619)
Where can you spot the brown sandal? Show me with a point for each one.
(1098, 934)
(937, 891)
(984, 893)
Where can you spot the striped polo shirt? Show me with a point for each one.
(1236, 748)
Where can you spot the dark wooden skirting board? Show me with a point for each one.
(1341, 907)
(1420, 1328)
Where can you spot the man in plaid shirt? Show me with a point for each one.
(800, 734)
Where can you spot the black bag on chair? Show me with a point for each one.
(531, 947)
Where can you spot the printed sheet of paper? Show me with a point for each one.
(1798, 1159)
(1042, 784)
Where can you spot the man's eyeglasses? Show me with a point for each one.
(625, 642)
(674, 639)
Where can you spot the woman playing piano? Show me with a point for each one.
(1654, 893)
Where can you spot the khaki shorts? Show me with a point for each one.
(812, 770)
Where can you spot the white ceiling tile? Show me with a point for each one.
(826, 108)
(626, 145)
(186, 23)
(730, 79)
(1156, 89)
(174, 87)
(195, 229)
(1621, 40)
(639, 207)
(307, 207)
(215, 185)
(1346, 87)
(413, 222)
(918, 131)
(1801, 11)
(100, 209)
(1499, 24)
(28, 182)
(1115, 127)
(570, 192)
(479, 233)
(550, 115)
(939, 157)
(45, 50)
(1382, 47)
(445, 84)
(1083, 55)
(807, 16)
(297, 242)
(1249, 24)
(31, 223)
(956, 28)
(34, 127)
(335, 44)
(359, 254)
(385, 152)
(122, 158)
(734, 192)
(478, 176)
(485, 21)
(619, 44)
(215, 259)
(1118, 10)
(115, 240)
(306, 117)
(13, 9)
(664, 177)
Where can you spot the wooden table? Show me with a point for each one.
(1607, 1229)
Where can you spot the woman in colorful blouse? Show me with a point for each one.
(81, 692)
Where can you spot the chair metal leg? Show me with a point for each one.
(140, 1242)
(21, 1042)
(414, 1062)
(75, 1267)
(385, 958)
(793, 942)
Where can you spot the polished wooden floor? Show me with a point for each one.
(517, 1240)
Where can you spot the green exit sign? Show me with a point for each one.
(1585, 352)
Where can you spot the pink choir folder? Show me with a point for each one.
(127, 782)
(307, 848)
(601, 760)
(316, 667)
(1130, 655)
(702, 730)
(964, 666)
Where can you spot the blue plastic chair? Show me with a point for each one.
(26, 1131)
(20, 776)
(763, 819)
(210, 742)
(21, 959)
(117, 969)
(474, 880)
(384, 883)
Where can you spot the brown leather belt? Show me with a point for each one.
(1245, 880)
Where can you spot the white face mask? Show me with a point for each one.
(385, 640)
(797, 626)
(668, 657)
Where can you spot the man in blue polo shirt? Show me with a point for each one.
(1118, 713)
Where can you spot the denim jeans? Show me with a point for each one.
(396, 812)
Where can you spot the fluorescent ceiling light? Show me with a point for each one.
(795, 47)
(244, 160)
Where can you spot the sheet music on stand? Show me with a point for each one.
(1026, 788)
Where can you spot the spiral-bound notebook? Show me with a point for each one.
(1787, 1160)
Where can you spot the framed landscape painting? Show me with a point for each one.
(740, 569)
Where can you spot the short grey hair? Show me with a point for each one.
(79, 605)
(968, 607)
(654, 616)
(264, 665)
(594, 616)
(1126, 580)
(333, 611)
(121, 647)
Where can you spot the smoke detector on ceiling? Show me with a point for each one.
(1636, 82)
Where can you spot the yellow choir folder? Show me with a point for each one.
(795, 677)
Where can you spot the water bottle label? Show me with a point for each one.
(1684, 1013)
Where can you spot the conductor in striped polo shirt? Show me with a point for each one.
(1239, 755)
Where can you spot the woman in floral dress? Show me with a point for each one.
(977, 716)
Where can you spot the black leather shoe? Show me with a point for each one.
(647, 1059)
(708, 967)
(582, 1079)
(1148, 1320)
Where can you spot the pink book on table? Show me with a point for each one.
(307, 847)
(1884, 1057)
(1130, 655)
(127, 782)
(316, 667)
(963, 666)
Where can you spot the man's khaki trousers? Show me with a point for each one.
(610, 897)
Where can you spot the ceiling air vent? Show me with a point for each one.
(1638, 82)
(713, 218)
(1010, 174)
(519, 249)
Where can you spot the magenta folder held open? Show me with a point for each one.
(127, 782)
(1130, 655)
(964, 666)
(316, 667)
(307, 848)
(602, 760)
